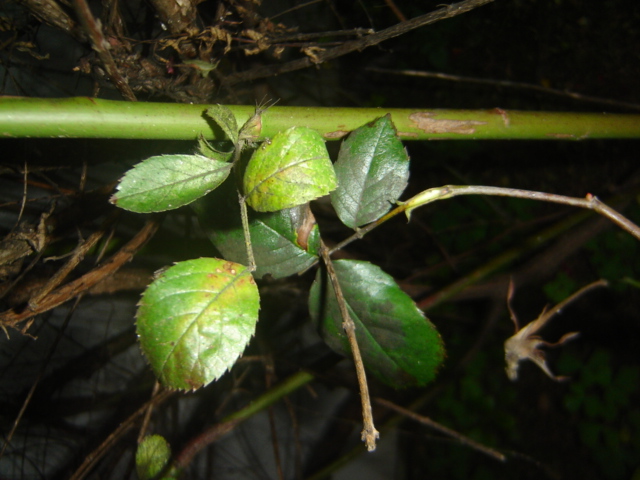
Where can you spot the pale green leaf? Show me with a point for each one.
(167, 182)
(226, 120)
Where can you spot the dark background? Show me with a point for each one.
(586, 428)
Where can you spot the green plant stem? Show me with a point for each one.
(244, 215)
(83, 117)
(449, 191)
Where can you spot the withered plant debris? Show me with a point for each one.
(525, 344)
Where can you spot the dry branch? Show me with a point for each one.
(356, 45)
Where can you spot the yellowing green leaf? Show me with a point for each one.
(152, 456)
(289, 170)
(196, 319)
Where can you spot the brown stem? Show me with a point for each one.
(441, 428)
(209, 436)
(101, 46)
(76, 257)
(369, 432)
(52, 14)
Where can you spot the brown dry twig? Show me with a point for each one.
(94, 457)
(441, 428)
(12, 318)
(52, 14)
(76, 257)
(356, 45)
(369, 432)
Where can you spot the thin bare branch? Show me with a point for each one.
(590, 202)
(369, 432)
(509, 84)
(76, 257)
(356, 45)
(94, 457)
(464, 440)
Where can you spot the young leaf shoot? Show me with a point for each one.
(152, 456)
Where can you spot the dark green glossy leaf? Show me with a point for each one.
(167, 182)
(152, 456)
(278, 238)
(289, 170)
(196, 319)
(226, 120)
(372, 171)
(399, 345)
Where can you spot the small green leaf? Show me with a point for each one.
(226, 120)
(399, 345)
(372, 171)
(167, 182)
(277, 246)
(291, 169)
(152, 456)
(196, 319)
(203, 68)
(217, 150)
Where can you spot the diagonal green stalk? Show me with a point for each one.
(83, 117)
(210, 435)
